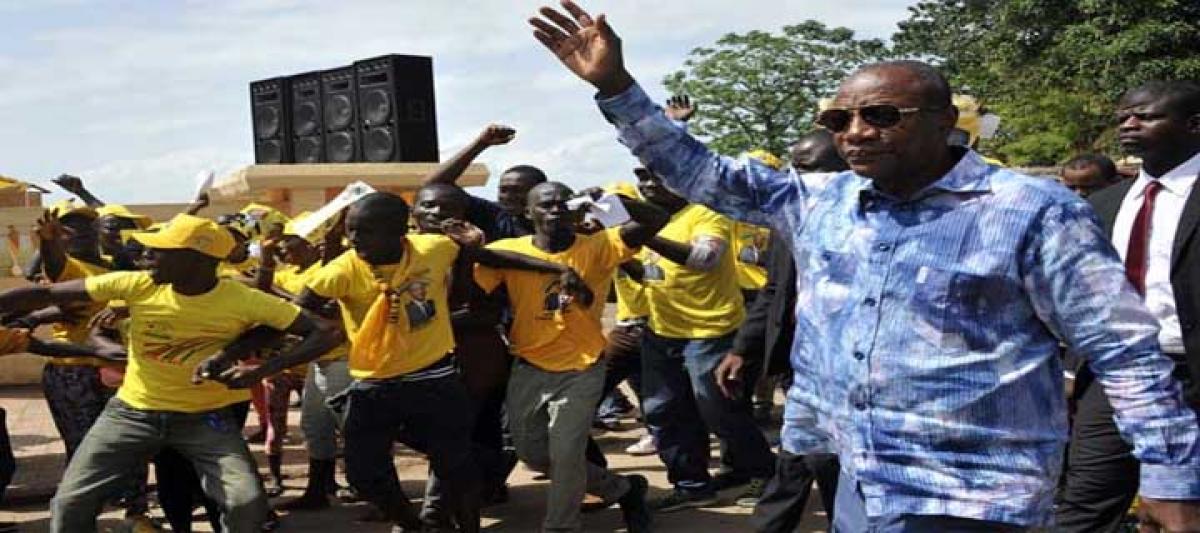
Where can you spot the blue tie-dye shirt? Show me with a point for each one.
(927, 330)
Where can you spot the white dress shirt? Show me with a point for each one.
(1168, 208)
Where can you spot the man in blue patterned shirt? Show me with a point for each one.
(933, 290)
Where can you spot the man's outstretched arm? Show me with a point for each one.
(743, 189)
(452, 169)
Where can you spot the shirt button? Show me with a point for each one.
(861, 406)
(883, 247)
(860, 356)
(869, 302)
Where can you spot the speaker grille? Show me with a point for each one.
(339, 112)
(306, 115)
(308, 150)
(379, 144)
(376, 107)
(339, 147)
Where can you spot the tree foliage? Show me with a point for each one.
(1054, 69)
(760, 89)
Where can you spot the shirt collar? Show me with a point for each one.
(970, 174)
(1177, 181)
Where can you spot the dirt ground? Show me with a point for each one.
(40, 461)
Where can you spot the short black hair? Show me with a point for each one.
(1184, 95)
(818, 135)
(937, 92)
(383, 205)
(530, 172)
(1108, 169)
(453, 190)
(548, 185)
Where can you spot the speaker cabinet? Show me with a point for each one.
(341, 115)
(308, 130)
(270, 114)
(397, 118)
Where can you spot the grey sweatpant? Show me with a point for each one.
(550, 415)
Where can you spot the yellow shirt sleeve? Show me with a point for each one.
(709, 223)
(333, 280)
(266, 309)
(118, 286)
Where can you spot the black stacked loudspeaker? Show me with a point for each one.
(375, 110)
(271, 119)
(396, 109)
(341, 115)
(308, 117)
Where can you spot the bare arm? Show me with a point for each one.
(74, 185)
(199, 203)
(24, 299)
(318, 337)
(51, 235)
(452, 169)
(646, 220)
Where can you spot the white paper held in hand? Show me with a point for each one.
(607, 210)
(204, 181)
(327, 212)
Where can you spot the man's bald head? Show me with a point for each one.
(926, 81)
(817, 152)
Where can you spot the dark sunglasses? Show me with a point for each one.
(837, 120)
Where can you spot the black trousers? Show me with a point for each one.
(8, 462)
(1100, 475)
(782, 504)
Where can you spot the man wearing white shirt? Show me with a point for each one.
(1152, 220)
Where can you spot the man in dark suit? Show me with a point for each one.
(1152, 221)
(764, 343)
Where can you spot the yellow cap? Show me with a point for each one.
(766, 158)
(968, 116)
(265, 216)
(67, 207)
(622, 188)
(186, 232)
(120, 211)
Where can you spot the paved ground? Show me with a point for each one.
(40, 461)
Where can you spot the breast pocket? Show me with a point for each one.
(955, 310)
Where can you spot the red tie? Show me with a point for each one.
(1139, 239)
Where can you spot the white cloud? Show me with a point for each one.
(139, 95)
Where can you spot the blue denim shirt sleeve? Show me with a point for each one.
(744, 188)
(1079, 289)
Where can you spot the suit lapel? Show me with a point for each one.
(1187, 225)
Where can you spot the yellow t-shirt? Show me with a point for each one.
(79, 332)
(552, 338)
(293, 280)
(750, 249)
(690, 304)
(422, 295)
(631, 295)
(170, 333)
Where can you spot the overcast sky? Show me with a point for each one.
(138, 96)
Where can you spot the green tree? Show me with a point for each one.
(1053, 69)
(760, 89)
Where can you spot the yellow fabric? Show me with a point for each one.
(13, 340)
(690, 304)
(66, 207)
(767, 158)
(170, 333)
(7, 183)
(189, 232)
(968, 116)
(404, 329)
(78, 332)
(120, 211)
(631, 295)
(550, 338)
(293, 280)
(750, 248)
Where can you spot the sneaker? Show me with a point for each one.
(679, 500)
(638, 518)
(754, 492)
(644, 446)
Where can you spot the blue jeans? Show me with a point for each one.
(850, 516)
(682, 404)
